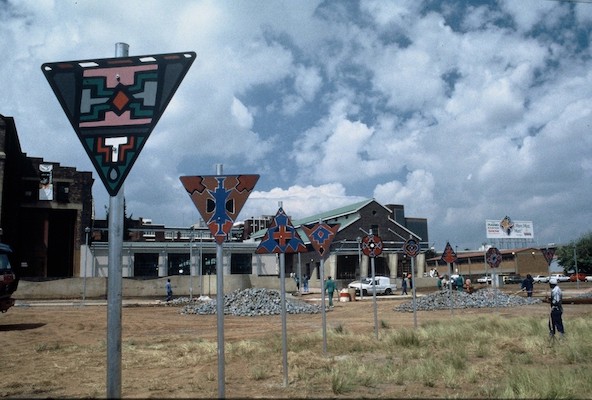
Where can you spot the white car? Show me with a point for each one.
(560, 277)
(484, 279)
(541, 279)
(589, 278)
(382, 285)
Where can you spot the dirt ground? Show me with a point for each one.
(58, 350)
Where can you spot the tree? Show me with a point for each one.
(583, 247)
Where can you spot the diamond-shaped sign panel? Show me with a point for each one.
(219, 199)
(411, 247)
(449, 256)
(493, 257)
(321, 236)
(114, 104)
(281, 237)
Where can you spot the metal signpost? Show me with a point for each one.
(219, 199)
(321, 236)
(113, 104)
(449, 257)
(494, 259)
(372, 247)
(411, 248)
(282, 238)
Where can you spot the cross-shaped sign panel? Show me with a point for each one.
(493, 257)
(321, 236)
(219, 199)
(114, 104)
(449, 256)
(281, 237)
(372, 246)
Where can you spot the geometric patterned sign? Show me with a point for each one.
(449, 256)
(281, 237)
(371, 246)
(321, 236)
(411, 247)
(113, 104)
(493, 257)
(549, 253)
(219, 199)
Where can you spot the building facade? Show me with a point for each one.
(43, 211)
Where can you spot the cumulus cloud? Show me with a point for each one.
(332, 102)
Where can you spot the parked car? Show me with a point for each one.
(541, 279)
(560, 277)
(577, 277)
(588, 278)
(484, 279)
(513, 279)
(382, 283)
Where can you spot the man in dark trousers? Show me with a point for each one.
(330, 288)
(556, 320)
(528, 284)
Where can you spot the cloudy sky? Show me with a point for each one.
(461, 111)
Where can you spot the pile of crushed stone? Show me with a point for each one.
(485, 298)
(249, 303)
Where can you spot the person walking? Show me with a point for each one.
(403, 286)
(528, 284)
(330, 288)
(305, 283)
(556, 319)
(169, 290)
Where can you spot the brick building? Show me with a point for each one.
(44, 208)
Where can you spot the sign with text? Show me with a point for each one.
(508, 229)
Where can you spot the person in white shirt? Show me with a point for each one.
(556, 320)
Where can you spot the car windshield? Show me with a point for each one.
(367, 281)
(4, 263)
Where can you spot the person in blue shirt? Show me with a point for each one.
(169, 290)
(528, 284)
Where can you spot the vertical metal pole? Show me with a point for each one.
(323, 310)
(283, 312)
(115, 280)
(374, 297)
(191, 264)
(413, 290)
(300, 285)
(220, 308)
(86, 231)
(576, 265)
(450, 288)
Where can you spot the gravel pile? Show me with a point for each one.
(485, 298)
(250, 303)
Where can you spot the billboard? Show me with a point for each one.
(508, 229)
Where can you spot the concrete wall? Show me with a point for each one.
(183, 286)
(96, 288)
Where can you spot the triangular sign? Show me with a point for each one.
(219, 199)
(548, 253)
(321, 236)
(449, 256)
(281, 237)
(114, 104)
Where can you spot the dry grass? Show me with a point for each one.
(469, 356)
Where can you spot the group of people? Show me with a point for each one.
(457, 283)
(305, 279)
